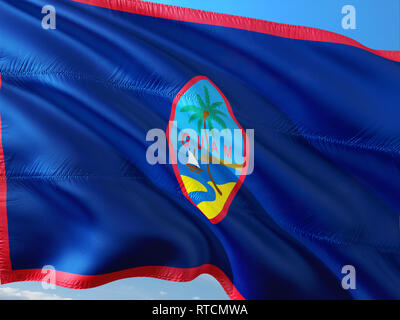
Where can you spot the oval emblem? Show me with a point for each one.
(208, 147)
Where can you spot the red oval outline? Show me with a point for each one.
(221, 215)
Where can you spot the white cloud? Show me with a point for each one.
(7, 293)
(196, 298)
(163, 293)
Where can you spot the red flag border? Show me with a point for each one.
(77, 281)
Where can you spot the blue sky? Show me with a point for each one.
(378, 26)
(203, 287)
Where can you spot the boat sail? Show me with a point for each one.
(192, 163)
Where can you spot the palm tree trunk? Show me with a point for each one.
(208, 165)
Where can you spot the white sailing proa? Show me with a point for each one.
(192, 163)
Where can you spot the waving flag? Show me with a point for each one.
(308, 183)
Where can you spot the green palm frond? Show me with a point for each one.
(197, 115)
(207, 97)
(218, 112)
(190, 108)
(216, 105)
(201, 102)
(199, 125)
(220, 121)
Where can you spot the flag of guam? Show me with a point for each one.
(145, 139)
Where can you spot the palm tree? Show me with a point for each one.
(207, 113)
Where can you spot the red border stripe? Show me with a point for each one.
(5, 263)
(226, 20)
(77, 281)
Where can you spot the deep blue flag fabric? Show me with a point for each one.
(77, 192)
